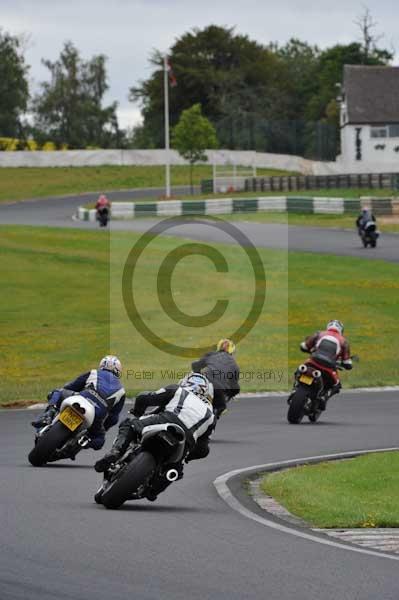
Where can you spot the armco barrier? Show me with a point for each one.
(224, 206)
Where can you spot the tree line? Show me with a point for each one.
(274, 97)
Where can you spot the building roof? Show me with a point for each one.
(371, 94)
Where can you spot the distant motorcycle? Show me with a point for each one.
(102, 216)
(66, 433)
(369, 234)
(156, 458)
(310, 390)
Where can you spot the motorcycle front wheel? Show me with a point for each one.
(296, 408)
(48, 443)
(132, 477)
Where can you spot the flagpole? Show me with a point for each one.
(167, 142)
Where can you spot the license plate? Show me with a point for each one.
(306, 379)
(70, 418)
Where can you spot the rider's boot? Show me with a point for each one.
(123, 439)
(323, 402)
(45, 418)
(335, 389)
(108, 459)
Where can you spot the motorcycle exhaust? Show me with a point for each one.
(316, 374)
(177, 432)
(302, 368)
(172, 475)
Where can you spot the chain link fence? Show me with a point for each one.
(313, 140)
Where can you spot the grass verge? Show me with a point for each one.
(385, 223)
(359, 492)
(26, 182)
(55, 310)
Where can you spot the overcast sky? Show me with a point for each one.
(127, 30)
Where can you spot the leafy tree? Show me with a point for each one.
(69, 108)
(192, 135)
(274, 98)
(227, 74)
(14, 92)
(301, 62)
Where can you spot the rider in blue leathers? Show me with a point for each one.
(103, 388)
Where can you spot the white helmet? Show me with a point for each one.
(111, 363)
(337, 326)
(199, 385)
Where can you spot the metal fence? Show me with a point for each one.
(312, 182)
(248, 131)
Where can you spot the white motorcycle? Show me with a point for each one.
(66, 435)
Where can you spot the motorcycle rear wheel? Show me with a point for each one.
(296, 410)
(48, 443)
(132, 477)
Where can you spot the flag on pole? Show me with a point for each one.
(171, 75)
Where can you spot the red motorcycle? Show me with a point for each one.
(312, 390)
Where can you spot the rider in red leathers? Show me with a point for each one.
(326, 349)
(102, 202)
(103, 209)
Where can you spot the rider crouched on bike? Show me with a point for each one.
(103, 388)
(188, 405)
(326, 349)
(365, 217)
(222, 370)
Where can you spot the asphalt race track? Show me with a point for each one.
(57, 212)
(56, 543)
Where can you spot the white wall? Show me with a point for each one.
(373, 160)
(66, 158)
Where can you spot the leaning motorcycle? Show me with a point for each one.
(67, 432)
(369, 234)
(309, 391)
(144, 466)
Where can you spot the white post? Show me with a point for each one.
(167, 143)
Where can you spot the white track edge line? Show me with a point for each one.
(222, 489)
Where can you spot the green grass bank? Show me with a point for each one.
(385, 224)
(56, 305)
(23, 183)
(359, 492)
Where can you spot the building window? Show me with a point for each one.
(394, 131)
(379, 132)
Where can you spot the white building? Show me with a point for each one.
(370, 119)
